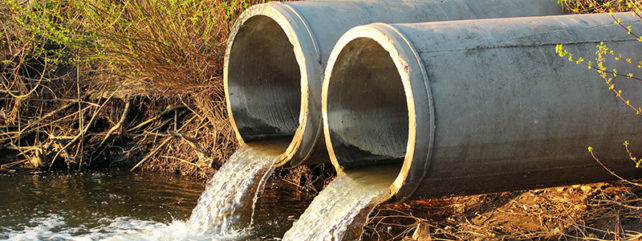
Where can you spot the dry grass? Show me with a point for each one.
(201, 148)
(601, 211)
(63, 60)
(310, 179)
(171, 45)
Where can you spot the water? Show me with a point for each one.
(341, 210)
(227, 205)
(125, 206)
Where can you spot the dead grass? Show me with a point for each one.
(601, 211)
(310, 179)
(63, 60)
(202, 147)
(171, 45)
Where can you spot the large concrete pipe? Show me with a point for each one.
(277, 53)
(473, 106)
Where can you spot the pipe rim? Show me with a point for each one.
(300, 36)
(419, 102)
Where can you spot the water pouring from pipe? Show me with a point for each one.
(467, 107)
(277, 52)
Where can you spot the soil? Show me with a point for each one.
(599, 211)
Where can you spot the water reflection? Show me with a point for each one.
(91, 206)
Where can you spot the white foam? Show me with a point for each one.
(54, 227)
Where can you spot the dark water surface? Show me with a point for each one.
(125, 206)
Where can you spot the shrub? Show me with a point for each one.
(171, 44)
(598, 6)
(599, 65)
(58, 56)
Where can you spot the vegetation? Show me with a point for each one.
(170, 44)
(86, 80)
(598, 6)
(89, 83)
(599, 64)
(167, 43)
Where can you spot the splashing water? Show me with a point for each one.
(54, 227)
(98, 206)
(341, 210)
(229, 198)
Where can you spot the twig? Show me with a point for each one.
(118, 125)
(80, 118)
(204, 158)
(182, 160)
(53, 136)
(52, 113)
(187, 106)
(612, 173)
(56, 100)
(91, 121)
(168, 110)
(42, 76)
(618, 203)
(163, 143)
(11, 164)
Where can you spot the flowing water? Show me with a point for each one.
(227, 205)
(125, 206)
(341, 210)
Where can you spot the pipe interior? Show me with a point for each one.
(264, 82)
(366, 108)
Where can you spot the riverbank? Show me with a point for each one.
(74, 99)
(120, 205)
(599, 211)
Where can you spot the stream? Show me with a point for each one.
(121, 205)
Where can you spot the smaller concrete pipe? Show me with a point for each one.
(277, 53)
(466, 107)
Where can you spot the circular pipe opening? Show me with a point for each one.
(366, 110)
(264, 82)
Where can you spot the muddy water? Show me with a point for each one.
(124, 206)
(341, 210)
(227, 205)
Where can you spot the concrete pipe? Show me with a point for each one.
(277, 53)
(465, 107)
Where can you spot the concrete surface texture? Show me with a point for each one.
(277, 53)
(481, 105)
